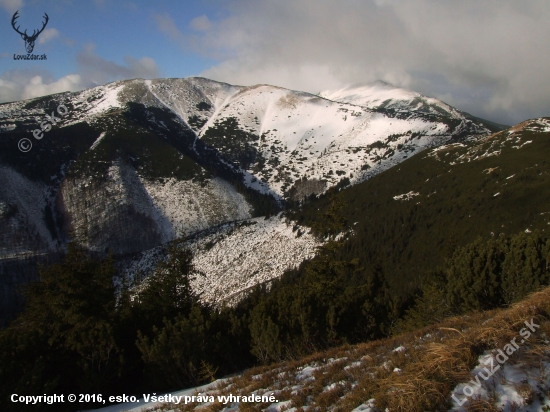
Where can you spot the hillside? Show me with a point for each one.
(197, 316)
(430, 369)
(132, 147)
(412, 217)
(129, 166)
(233, 258)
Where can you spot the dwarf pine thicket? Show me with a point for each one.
(78, 335)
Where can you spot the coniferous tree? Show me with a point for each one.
(167, 292)
(474, 276)
(174, 353)
(526, 266)
(64, 341)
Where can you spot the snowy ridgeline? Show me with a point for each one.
(296, 144)
(331, 138)
(351, 133)
(514, 138)
(234, 257)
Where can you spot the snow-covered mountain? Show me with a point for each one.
(382, 95)
(152, 149)
(131, 165)
(300, 143)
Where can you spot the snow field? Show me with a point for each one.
(234, 257)
(239, 257)
(190, 207)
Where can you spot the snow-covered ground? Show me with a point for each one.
(491, 146)
(303, 135)
(513, 382)
(191, 207)
(234, 257)
(238, 257)
(141, 404)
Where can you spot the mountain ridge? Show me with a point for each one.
(249, 147)
(136, 163)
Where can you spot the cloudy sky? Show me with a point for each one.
(490, 58)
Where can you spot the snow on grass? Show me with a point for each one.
(142, 405)
(369, 406)
(183, 95)
(191, 207)
(400, 349)
(238, 257)
(232, 258)
(365, 377)
(492, 145)
(540, 124)
(107, 99)
(513, 382)
(406, 196)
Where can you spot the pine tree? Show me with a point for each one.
(64, 340)
(474, 276)
(167, 292)
(174, 353)
(526, 266)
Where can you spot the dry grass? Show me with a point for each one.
(435, 360)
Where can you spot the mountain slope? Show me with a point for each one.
(291, 137)
(140, 133)
(131, 165)
(232, 258)
(427, 370)
(413, 216)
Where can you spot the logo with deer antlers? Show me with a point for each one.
(29, 40)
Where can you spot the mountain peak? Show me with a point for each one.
(375, 94)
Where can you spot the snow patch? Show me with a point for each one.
(406, 196)
(97, 141)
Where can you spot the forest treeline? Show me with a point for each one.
(79, 333)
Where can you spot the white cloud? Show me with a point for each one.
(26, 84)
(166, 25)
(96, 70)
(489, 58)
(187, 42)
(92, 71)
(11, 6)
(37, 87)
(201, 23)
(47, 35)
